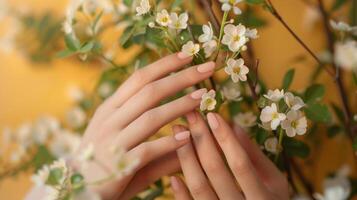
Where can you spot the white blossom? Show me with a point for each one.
(345, 56)
(342, 26)
(207, 33)
(190, 48)
(245, 120)
(295, 123)
(271, 145)
(143, 8)
(208, 101)
(236, 69)
(105, 90)
(275, 95)
(23, 135)
(40, 178)
(231, 92)
(163, 18)
(227, 5)
(87, 153)
(271, 114)
(209, 48)
(178, 22)
(76, 117)
(75, 93)
(252, 33)
(234, 37)
(64, 143)
(293, 102)
(17, 155)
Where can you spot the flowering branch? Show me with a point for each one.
(277, 15)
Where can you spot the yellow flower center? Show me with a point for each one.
(275, 115)
(294, 124)
(165, 19)
(232, 2)
(236, 38)
(236, 70)
(209, 101)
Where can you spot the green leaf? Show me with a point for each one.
(87, 47)
(339, 113)
(255, 1)
(338, 4)
(234, 108)
(128, 2)
(318, 113)
(42, 157)
(294, 147)
(251, 19)
(176, 3)
(288, 79)
(55, 176)
(65, 53)
(127, 34)
(77, 181)
(314, 93)
(72, 43)
(261, 136)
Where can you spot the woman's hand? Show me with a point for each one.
(132, 115)
(208, 177)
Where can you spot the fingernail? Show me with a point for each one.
(174, 183)
(182, 55)
(198, 93)
(206, 67)
(191, 117)
(212, 121)
(182, 136)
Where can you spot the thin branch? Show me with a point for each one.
(339, 77)
(277, 15)
(309, 188)
(207, 5)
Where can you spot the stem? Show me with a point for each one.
(208, 7)
(277, 15)
(338, 78)
(281, 136)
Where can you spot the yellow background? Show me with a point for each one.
(28, 91)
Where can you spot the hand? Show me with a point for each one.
(208, 177)
(132, 115)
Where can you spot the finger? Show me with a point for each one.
(237, 158)
(166, 165)
(179, 188)
(146, 75)
(151, 121)
(213, 164)
(265, 169)
(194, 175)
(154, 92)
(152, 150)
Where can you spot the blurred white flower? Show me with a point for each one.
(227, 5)
(311, 17)
(105, 90)
(336, 188)
(125, 165)
(86, 154)
(343, 27)
(275, 95)
(252, 33)
(18, 154)
(40, 178)
(75, 93)
(190, 48)
(325, 56)
(163, 18)
(231, 92)
(151, 24)
(143, 8)
(237, 70)
(293, 102)
(345, 55)
(245, 120)
(178, 22)
(4, 8)
(209, 48)
(208, 101)
(355, 118)
(295, 123)
(234, 37)
(207, 33)
(64, 143)
(271, 114)
(23, 135)
(76, 117)
(271, 145)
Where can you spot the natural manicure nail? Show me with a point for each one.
(198, 93)
(182, 55)
(206, 67)
(182, 136)
(212, 121)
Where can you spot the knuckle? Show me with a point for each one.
(150, 89)
(213, 167)
(144, 150)
(241, 167)
(199, 188)
(149, 116)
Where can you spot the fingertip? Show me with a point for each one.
(183, 56)
(212, 121)
(175, 185)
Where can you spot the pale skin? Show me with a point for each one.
(133, 114)
(246, 174)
